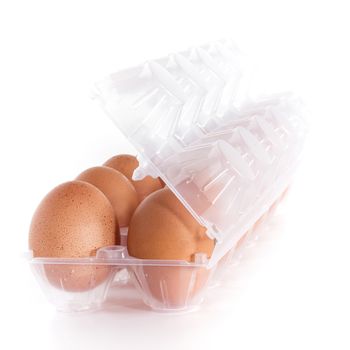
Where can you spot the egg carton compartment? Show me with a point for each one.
(82, 284)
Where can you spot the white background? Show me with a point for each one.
(292, 290)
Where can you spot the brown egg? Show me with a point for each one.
(116, 188)
(162, 228)
(126, 164)
(73, 221)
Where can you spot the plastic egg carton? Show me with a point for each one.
(228, 158)
(163, 285)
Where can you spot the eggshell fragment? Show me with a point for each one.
(116, 188)
(126, 164)
(73, 221)
(162, 228)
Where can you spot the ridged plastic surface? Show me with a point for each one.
(226, 161)
(163, 285)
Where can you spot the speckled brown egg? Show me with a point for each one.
(116, 187)
(162, 228)
(126, 164)
(73, 221)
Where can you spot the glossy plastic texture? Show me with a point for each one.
(163, 285)
(226, 160)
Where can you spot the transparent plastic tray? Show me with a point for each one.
(228, 159)
(163, 285)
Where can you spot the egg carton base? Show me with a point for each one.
(147, 284)
(122, 279)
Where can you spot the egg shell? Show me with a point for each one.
(116, 188)
(126, 164)
(162, 228)
(73, 221)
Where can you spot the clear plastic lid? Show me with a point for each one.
(227, 161)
